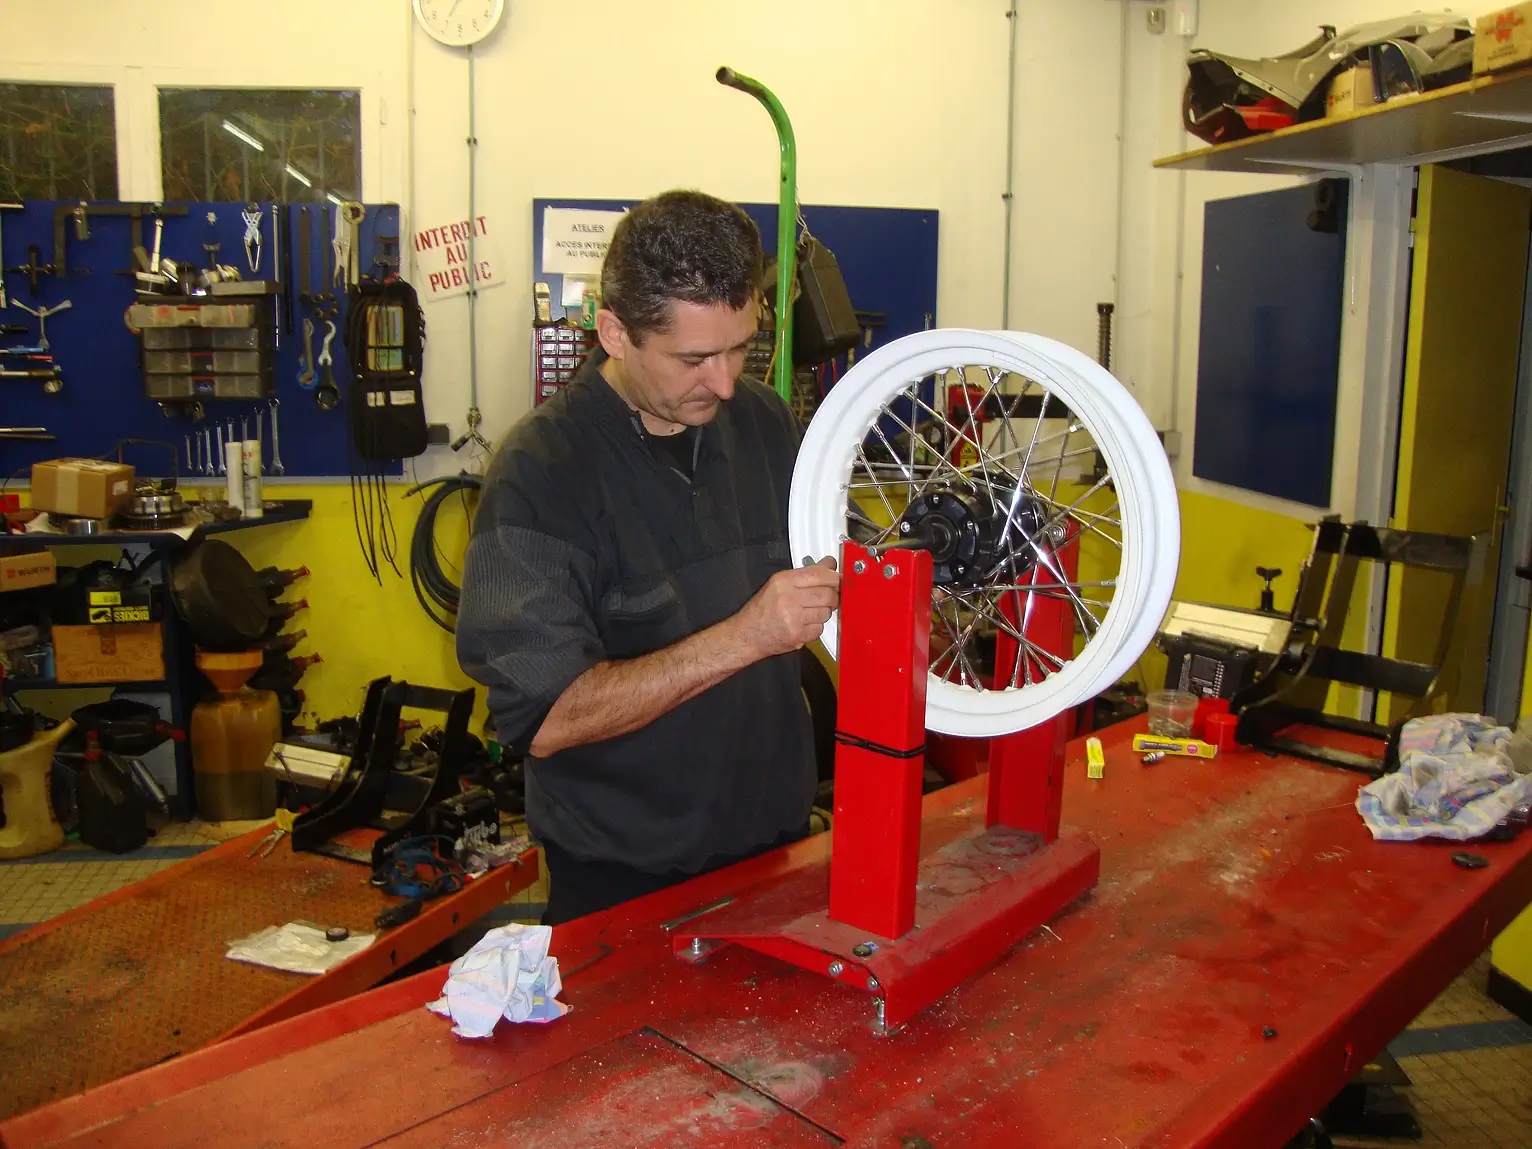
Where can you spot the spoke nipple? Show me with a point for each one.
(859, 567)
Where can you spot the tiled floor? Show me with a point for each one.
(1469, 1060)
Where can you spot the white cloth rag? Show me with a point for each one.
(508, 974)
(1455, 780)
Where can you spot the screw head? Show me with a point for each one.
(872, 983)
(904, 528)
(837, 968)
(890, 571)
(864, 950)
(1267, 1032)
(860, 567)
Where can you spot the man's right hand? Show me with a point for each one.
(791, 609)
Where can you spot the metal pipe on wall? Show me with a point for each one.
(1009, 195)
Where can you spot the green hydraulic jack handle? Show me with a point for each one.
(787, 224)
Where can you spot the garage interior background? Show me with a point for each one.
(896, 103)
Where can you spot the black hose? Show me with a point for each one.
(437, 593)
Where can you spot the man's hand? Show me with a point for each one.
(791, 609)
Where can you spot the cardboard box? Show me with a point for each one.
(22, 572)
(129, 652)
(86, 487)
(1503, 39)
(1350, 91)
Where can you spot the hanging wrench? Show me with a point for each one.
(218, 431)
(328, 396)
(306, 360)
(207, 451)
(276, 441)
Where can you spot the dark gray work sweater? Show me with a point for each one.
(586, 547)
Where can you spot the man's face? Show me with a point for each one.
(681, 375)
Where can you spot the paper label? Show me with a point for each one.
(575, 240)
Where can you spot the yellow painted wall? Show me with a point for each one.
(362, 630)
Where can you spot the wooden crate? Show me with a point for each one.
(124, 652)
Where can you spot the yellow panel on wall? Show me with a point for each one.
(363, 630)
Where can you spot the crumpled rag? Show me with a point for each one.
(1455, 780)
(508, 974)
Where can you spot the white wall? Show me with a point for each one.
(895, 103)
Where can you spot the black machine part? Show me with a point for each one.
(112, 813)
(1293, 690)
(824, 322)
(120, 726)
(217, 593)
(1209, 667)
(453, 817)
(360, 798)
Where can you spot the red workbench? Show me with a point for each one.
(139, 976)
(1249, 947)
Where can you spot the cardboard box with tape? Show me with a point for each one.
(88, 487)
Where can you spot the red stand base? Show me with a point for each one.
(977, 896)
(905, 910)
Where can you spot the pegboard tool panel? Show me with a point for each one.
(50, 258)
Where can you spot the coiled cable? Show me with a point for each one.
(437, 593)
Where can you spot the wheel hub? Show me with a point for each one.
(963, 530)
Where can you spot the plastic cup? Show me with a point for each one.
(1206, 708)
(1220, 732)
(1171, 713)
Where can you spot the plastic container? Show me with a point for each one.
(232, 733)
(1220, 732)
(1206, 708)
(1171, 713)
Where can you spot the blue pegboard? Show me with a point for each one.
(1269, 352)
(102, 400)
(887, 256)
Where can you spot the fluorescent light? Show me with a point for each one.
(333, 198)
(299, 176)
(240, 134)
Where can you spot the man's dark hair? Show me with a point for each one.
(681, 245)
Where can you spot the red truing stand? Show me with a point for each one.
(908, 921)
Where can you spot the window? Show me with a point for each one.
(239, 146)
(57, 141)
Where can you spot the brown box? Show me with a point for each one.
(22, 572)
(126, 652)
(86, 487)
(1350, 91)
(1503, 39)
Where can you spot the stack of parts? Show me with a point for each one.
(1457, 779)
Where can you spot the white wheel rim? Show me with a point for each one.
(1148, 521)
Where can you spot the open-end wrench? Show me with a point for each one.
(306, 360)
(218, 431)
(276, 441)
(207, 450)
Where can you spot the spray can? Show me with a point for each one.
(250, 451)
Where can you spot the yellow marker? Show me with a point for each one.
(1185, 747)
(1095, 759)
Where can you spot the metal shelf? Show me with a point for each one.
(52, 684)
(1482, 115)
(282, 511)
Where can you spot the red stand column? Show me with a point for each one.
(885, 636)
(1026, 769)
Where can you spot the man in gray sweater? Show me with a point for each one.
(629, 597)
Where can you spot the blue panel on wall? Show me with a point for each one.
(1269, 350)
(887, 256)
(102, 400)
